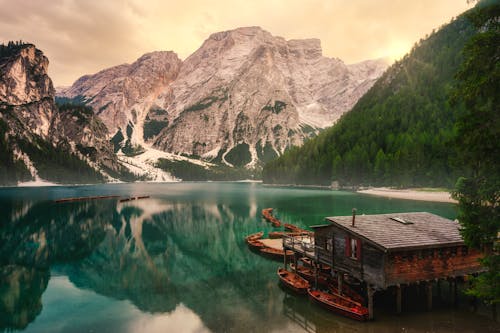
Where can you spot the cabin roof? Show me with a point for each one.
(412, 231)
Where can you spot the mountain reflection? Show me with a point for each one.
(21, 289)
(156, 253)
(159, 255)
(37, 235)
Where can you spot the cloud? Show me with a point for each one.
(85, 36)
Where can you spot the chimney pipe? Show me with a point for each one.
(354, 217)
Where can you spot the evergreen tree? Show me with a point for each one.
(478, 141)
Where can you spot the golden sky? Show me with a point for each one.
(84, 36)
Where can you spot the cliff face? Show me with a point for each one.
(242, 97)
(248, 94)
(37, 140)
(122, 95)
(26, 87)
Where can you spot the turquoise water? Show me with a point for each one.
(177, 261)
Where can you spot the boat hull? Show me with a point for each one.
(275, 254)
(353, 312)
(293, 281)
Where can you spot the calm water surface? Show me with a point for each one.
(178, 262)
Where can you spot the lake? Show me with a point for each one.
(178, 262)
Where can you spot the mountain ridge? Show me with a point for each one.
(228, 84)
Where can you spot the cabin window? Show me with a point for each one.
(453, 251)
(352, 248)
(465, 250)
(328, 245)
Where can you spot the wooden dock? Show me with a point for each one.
(134, 198)
(86, 198)
(98, 197)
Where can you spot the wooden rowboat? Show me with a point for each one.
(308, 274)
(257, 235)
(275, 254)
(308, 262)
(293, 281)
(255, 245)
(339, 304)
(347, 292)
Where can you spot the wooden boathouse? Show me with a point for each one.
(389, 250)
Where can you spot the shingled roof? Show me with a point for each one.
(402, 230)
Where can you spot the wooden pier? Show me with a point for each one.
(86, 198)
(98, 197)
(134, 198)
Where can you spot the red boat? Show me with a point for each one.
(308, 262)
(275, 253)
(255, 236)
(347, 292)
(339, 304)
(308, 274)
(293, 281)
(255, 245)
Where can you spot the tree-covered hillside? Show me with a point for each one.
(400, 133)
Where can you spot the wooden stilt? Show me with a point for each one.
(370, 291)
(455, 294)
(315, 275)
(340, 279)
(438, 285)
(398, 299)
(428, 288)
(450, 285)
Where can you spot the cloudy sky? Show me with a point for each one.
(84, 36)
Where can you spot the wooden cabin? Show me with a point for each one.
(397, 249)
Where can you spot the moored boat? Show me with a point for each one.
(255, 245)
(276, 254)
(347, 292)
(293, 281)
(308, 274)
(339, 304)
(308, 262)
(255, 236)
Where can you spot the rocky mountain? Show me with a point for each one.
(37, 139)
(121, 96)
(243, 97)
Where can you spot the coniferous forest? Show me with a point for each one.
(401, 133)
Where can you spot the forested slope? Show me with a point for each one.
(400, 133)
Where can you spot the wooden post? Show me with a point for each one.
(428, 288)
(315, 275)
(438, 285)
(370, 291)
(398, 299)
(455, 294)
(450, 289)
(340, 279)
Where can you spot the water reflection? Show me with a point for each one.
(21, 290)
(179, 255)
(37, 235)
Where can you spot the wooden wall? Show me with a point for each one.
(413, 266)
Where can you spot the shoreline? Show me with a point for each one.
(410, 194)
